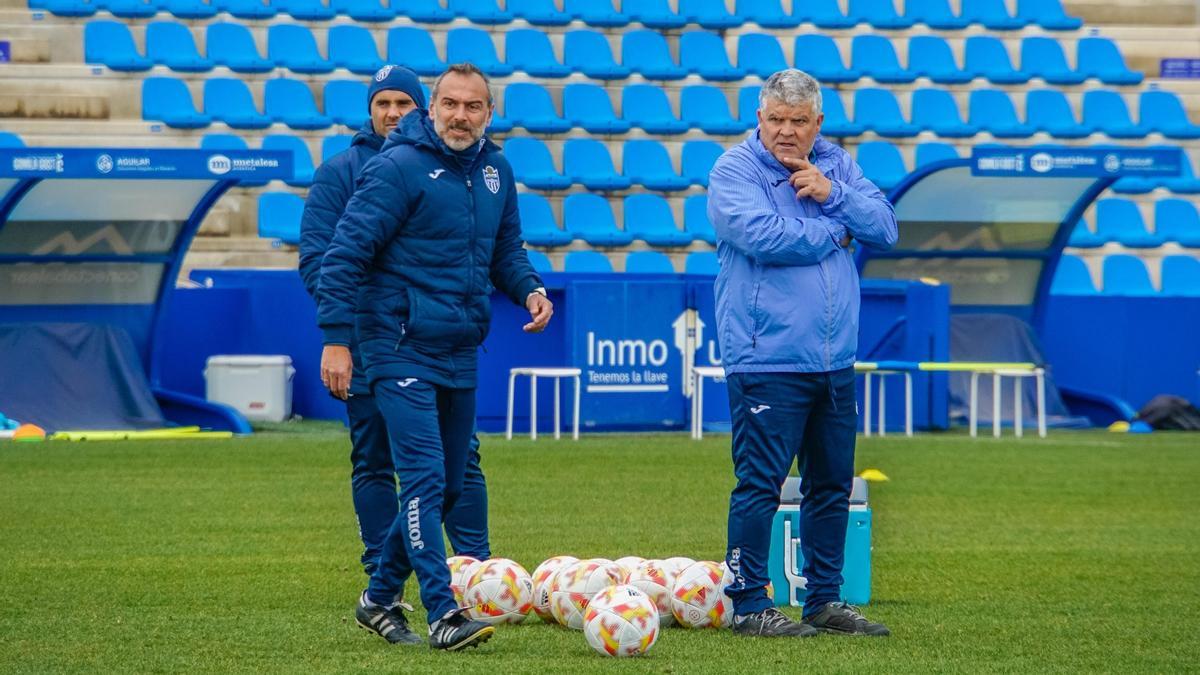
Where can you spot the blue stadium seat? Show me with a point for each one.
(540, 261)
(475, 46)
(697, 159)
(1082, 236)
(877, 110)
(191, 9)
(71, 8)
(588, 107)
(228, 100)
(223, 142)
(648, 218)
(337, 144)
(423, 11)
(1071, 277)
(346, 102)
(1099, 58)
(369, 11)
(703, 53)
(1105, 111)
(530, 51)
(881, 164)
(935, 110)
(499, 124)
(586, 162)
(822, 13)
(532, 164)
(934, 13)
(1043, 57)
(168, 100)
(748, 107)
(1176, 220)
(992, 111)
(538, 226)
(652, 13)
(130, 9)
(291, 102)
(760, 54)
(10, 140)
(279, 216)
(702, 262)
(837, 122)
(589, 217)
(528, 106)
(648, 164)
(171, 44)
(306, 10)
(302, 164)
(705, 107)
(1180, 275)
(588, 52)
(1126, 275)
(293, 47)
(538, 12)
(249, 9)
(645, 52)
(1048, 14)
(986, 57)
(231, 45)
(1119, 220)
(1048, 110)
(599, 13)
(695, 219)
(818, 55)
(109, 43)
(353, 48)
(1163, 112)
(992, 14)
(1186, 182)
(933, 151)
(878, 13)
(648, 262)
(413, 48)
(588, 262)
(485, 12)
(875, 57)
(711, 14)
(766, 13)
(930, 56)
(646, 107)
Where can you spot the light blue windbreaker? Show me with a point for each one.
(787, 292)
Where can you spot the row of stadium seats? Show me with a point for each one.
(656, 14)
(1120, 221)
(531, 107)
(1125, 274)
(644, 52)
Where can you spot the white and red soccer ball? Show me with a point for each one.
(621, 621)
(461, 569)
(698, 597)
(499, 591)
(575, 584)
(656, 579)
(543, 578)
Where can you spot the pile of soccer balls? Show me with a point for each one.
(619, 605)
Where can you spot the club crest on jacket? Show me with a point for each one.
(491, 178)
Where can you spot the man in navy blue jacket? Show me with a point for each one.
(394, 91)
(431, 229)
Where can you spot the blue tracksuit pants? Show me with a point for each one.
(430, 429)
(373, 489)
(778, 418)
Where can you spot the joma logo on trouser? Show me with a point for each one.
(414, 523)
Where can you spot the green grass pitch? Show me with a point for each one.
(1075, 553)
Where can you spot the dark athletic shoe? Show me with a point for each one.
(844, 619)
(456, 631)
(388, 623)
(771, 623)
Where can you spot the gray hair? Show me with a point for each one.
(464, 68)
(791, 87)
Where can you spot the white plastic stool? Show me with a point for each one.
(698, 375)
(534, 374)
(1018, 405)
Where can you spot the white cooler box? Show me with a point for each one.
(259, 387)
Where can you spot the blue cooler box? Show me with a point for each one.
(786, 561)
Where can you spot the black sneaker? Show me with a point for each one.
(771, 623)
(844, 619)
(388, 622)
(456, 631)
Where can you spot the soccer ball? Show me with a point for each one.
(500, 591)
(574, 586)
(655, 579)
(678, 563)
(629, 563)
(698, 597)
(621, 621)
(461, 569)
(543, 577)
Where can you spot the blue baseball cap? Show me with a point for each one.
(396, 78)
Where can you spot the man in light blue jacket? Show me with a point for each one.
(785, 204)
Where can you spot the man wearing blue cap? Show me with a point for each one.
(394, 91)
